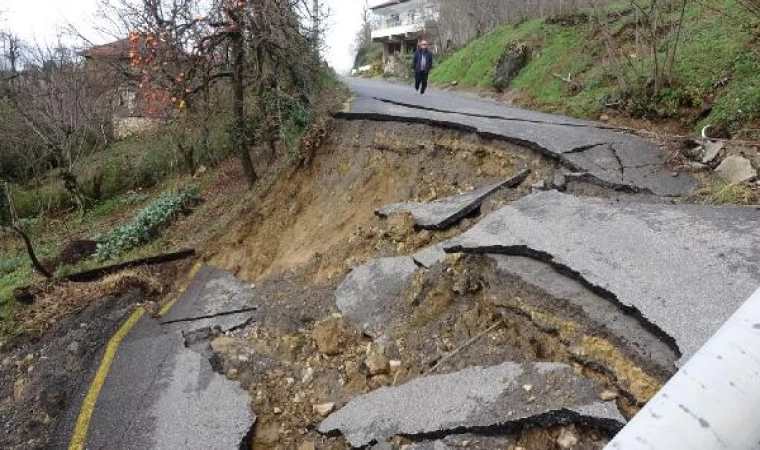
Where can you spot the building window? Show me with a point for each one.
(430, 12)
(127, 98)
(412, 16)
(394, 20)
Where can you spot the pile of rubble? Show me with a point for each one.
(506, 336)
(731, 162)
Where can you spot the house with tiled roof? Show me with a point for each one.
(135, 108)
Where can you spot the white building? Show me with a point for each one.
(400, 24)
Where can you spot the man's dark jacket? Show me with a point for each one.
(418, 55)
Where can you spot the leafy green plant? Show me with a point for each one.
(147, 223)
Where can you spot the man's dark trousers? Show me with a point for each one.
(420, 81)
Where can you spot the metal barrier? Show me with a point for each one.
(713, 402)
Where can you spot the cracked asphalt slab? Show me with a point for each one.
(682, 270)
(369, 294)
(445, 212)
(612, 158)
(161, 392)
(599, 311)
(474, 399)
(161, 395)
(214, 298)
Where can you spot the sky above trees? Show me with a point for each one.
(44, 20)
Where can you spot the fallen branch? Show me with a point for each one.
(96, 274)
(463, 346)
(568, 80)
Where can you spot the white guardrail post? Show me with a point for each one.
(713, 402)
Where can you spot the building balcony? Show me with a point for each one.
(400, 31)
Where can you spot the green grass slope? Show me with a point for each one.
(717, 73)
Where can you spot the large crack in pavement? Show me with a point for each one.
(570, 142)
(199, 341)
(637, 255)
(163, 393)
(497, 117)
(561, 416)
(474, 399)
(562, 158)
(628, 310)
(210, 316)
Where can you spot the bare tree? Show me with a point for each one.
(60, 103)
(9, 219)
(10, 49)
(657, 37)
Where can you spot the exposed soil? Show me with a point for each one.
(304, 355)
(296, 239)
(312, 226)
(322, 216)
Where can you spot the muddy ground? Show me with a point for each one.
(323, 216)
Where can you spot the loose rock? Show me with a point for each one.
(324, 409)
(568, 438)
(559, 182)
(330, 335)
(736, 169)
(307, 446)
(376, 361)
(712, 149)
(514, 58)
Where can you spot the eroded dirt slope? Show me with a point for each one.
(323, 216)
(303, 359)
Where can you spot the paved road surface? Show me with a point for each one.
(609, 157)
(161, 391)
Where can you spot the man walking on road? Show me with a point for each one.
(422, 63)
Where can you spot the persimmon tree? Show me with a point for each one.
(181, 48)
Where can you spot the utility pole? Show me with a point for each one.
(315, 25)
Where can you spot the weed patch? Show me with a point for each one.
(724, 193)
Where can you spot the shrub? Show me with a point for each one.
(50, 197)
(147, 223)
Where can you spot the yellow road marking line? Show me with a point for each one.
(79, 437)
(168, 305)
(347, 104)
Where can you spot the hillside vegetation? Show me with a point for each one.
(716, 70)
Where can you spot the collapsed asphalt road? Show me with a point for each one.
(161, 390)
(550, 319)
(599, 154)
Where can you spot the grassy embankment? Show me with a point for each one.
(717, 73)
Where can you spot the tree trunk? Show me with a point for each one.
(71, 184)
(238, 134)
(315, 26)
(30, 250)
